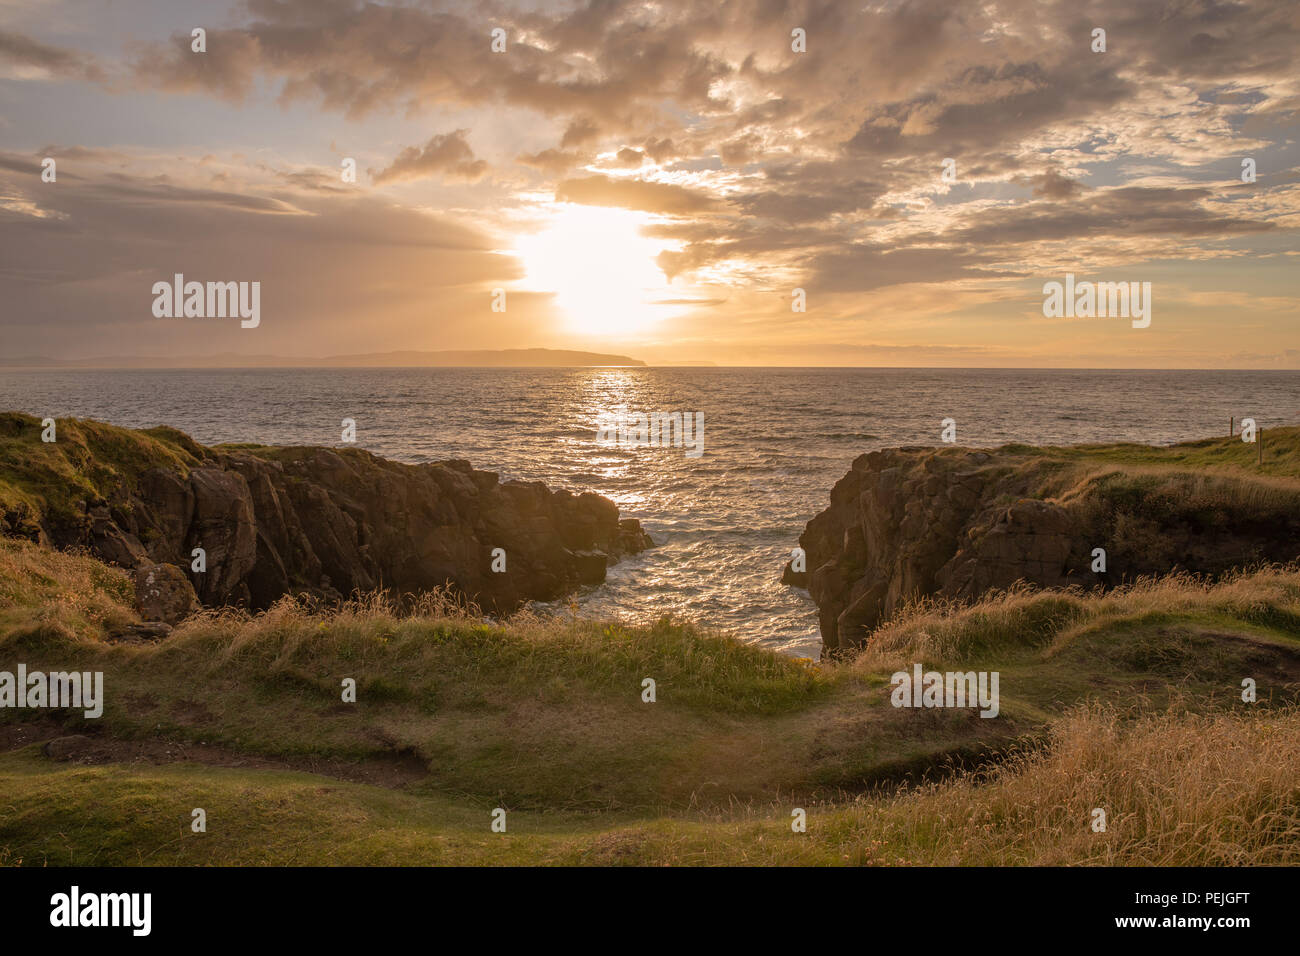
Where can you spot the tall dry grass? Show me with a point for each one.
(1178, 789)
(938, 630)
(64, 594)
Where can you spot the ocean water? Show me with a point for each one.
(775, 441)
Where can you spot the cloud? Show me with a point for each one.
(629, 157)
(811, 192)
(26, 58)
(1107, 213)
(78, 281)
(664, 198)
(358, 58)
(1050, 184)
(580, 132)
(774, 168)
(553, 162)
(446, 154)
(865, 267)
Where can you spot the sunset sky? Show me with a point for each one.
(654, 179)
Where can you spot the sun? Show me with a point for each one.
(600, 268)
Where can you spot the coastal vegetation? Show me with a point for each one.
(1128, 701)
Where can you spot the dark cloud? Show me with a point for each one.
(811, 192)
(581, 131)
(144, 193)
(22, 51)
(18, 164)
(1110, 213)
(741, 150)
(629, 157)
(553, 162)
(78, 279)
(312, 180)
(660, 150)
(997, 108)
(1050, 184)
(446, 155)
(362, 57)
(864, 267)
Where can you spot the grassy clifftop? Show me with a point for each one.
(957, 523)
(1229, 455)
(1129, 702)
(88, 459)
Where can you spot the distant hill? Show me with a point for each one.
(492, 358)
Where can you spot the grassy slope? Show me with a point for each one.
(456, 717)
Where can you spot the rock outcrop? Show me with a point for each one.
(955, 523)
(274, 521)
(163, 593)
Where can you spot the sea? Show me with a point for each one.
(775, 440)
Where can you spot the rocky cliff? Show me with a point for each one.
(274, 521)
(954, 523)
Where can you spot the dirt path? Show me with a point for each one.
(393, 771)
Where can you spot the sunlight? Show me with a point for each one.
(601, 269)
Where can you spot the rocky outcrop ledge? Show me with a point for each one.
(956, 523)
(297, 520)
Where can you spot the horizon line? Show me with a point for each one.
(643, 365)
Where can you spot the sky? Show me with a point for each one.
(743, 183)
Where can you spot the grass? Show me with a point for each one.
(89, 460)
(1224, 455)
(1177, 790)
(1140, 491)
(97, 462)
(1265, 599)
(1129, 701)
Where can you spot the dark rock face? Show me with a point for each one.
(909, 523)
(328, 523)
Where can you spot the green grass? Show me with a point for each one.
(88, 461)
(1281, 454)
(1177, 790)
(544, 718)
